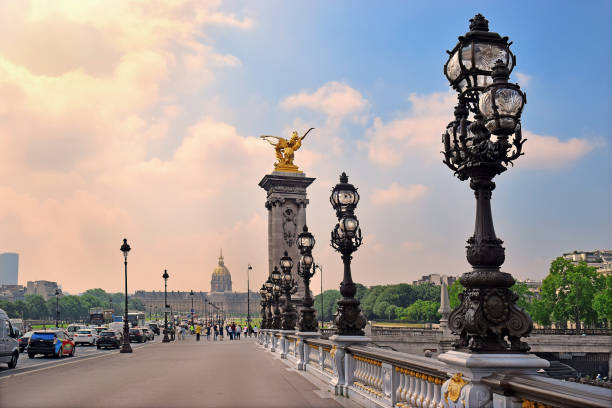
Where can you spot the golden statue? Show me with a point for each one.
(285, 151)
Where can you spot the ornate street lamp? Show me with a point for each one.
(275, 277)
(479, 149)
(249, 269)
(308, 318)
(125, 343)
(262, 295)
(346, 238)
(289, 315)
(165, 276)
(57, 292)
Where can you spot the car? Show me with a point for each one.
(100, 329)
(138, 335)
(73, 328)
(23, 341)
(86, 336)
(109, 338)
(9, 346)
(149, 334)
(50, 342)
(154, 328)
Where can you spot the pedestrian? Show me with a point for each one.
(238, 331)
(208, 332)
(198, 330)
(230, 333)
(179, 334)
(216, 332)
(255, 331)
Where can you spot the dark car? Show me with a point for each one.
(154, 328)
(137, 335)
(23, 341)
(50, 343)
(109, 338)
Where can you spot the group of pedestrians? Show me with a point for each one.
(232, 330)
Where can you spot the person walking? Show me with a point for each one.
(238, 331)
(230, 333)
(179, 333)
(216, 332)
(198, 331)
(208, 332)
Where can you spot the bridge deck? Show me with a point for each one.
(178, 374)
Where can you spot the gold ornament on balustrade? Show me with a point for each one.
(285, 150)
(454, 387)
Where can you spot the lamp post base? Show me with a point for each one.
(125, 348)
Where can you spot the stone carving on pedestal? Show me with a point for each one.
(289, 226)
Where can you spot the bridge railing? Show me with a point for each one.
(404, 331)
(384, 378)
(573, 332)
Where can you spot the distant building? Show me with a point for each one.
(221, 295)
(9, 268)
(44, 288)
(12, 292)
(599, 258)
(435, 279)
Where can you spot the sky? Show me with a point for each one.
(140, 119)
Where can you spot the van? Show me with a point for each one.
(9, 346)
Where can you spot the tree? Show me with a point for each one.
(36, 307)
(453, 294)
(370, 299)
(422, 311)
(602, 302)
(570, 289)
(362, 291)
(330, 303)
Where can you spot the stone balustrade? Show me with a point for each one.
(376, 377)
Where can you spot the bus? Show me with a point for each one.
(136, 319)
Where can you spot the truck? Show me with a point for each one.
(96, 316)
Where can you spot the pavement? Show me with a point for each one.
(177, 374)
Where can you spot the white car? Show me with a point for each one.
(9, 346)
(85, 336)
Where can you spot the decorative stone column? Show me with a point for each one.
(444, 306)
(286, 203)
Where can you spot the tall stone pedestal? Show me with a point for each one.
(464, 389)
(286, 203)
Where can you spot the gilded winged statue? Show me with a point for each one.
(285, 150)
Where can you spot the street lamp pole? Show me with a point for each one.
(289, 315)
(191, 294)
(305, 243)
(57, 292)
(249, 301)
(165, 276)
(125, 344)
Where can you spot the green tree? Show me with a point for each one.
(453, 294)
(602, 302)
(362, 291)
(330, 303)
(426, 291)
(367, 305)
(570, 289)
(424, 311)
(36, 307)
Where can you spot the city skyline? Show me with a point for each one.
(153, 137)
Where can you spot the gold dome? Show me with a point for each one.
(221, 278)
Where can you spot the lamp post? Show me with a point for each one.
(479, 147)
(346, 238)
(276, 292)
(308, 319)
(269, 286)
(262, 312)
(249, 301)
(165, 276)
(57, 292)
(125, 343)
(289, 315)
(320, 268)
(191, 294)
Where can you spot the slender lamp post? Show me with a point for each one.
(249, 301)
(57, 292)
(276, 292)
(262, 294)
(125, 344)
(191, 294)
(346, 238)
(305, 243)
(165, 276)
(289, 315)
(269, 286)
(478, 148)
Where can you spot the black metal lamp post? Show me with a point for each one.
(289, 315)
(249, 269)
(346, 238)
(308, 318)
(262, 295)
(125, 344)
(165, 276)
(191, 294)
(276, 292)
(478, 148)
(269, 286)
(57, 292)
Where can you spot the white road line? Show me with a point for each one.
(51, 365)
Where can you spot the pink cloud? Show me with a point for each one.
(397, 194)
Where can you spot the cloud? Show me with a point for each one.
(397, 194)
(523, 79)
(412, 246)
(416, 133)
(549, 152)
(335, 99)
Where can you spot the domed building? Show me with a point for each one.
(221, 278)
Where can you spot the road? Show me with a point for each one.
(178, 374)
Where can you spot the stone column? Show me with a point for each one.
(286, 203)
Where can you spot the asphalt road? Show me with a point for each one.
(178, 374)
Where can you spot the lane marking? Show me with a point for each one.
(50, 365)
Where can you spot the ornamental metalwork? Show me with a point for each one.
(308, 317)
(289, 315)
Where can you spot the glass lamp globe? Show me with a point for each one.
(269, 284)
(307, 261)
(276, 275)
(305, 240)
(502, 103)
(344, 196)
(470, 63)
(349, 226)
(287, 277)
(286, 262)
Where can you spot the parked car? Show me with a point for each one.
(109, 338)
(50, 343)
(23, 341)
(138, 335)
(100, 329)
(149, 334)
(86, 336)
(154, 328)
(9, 346)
